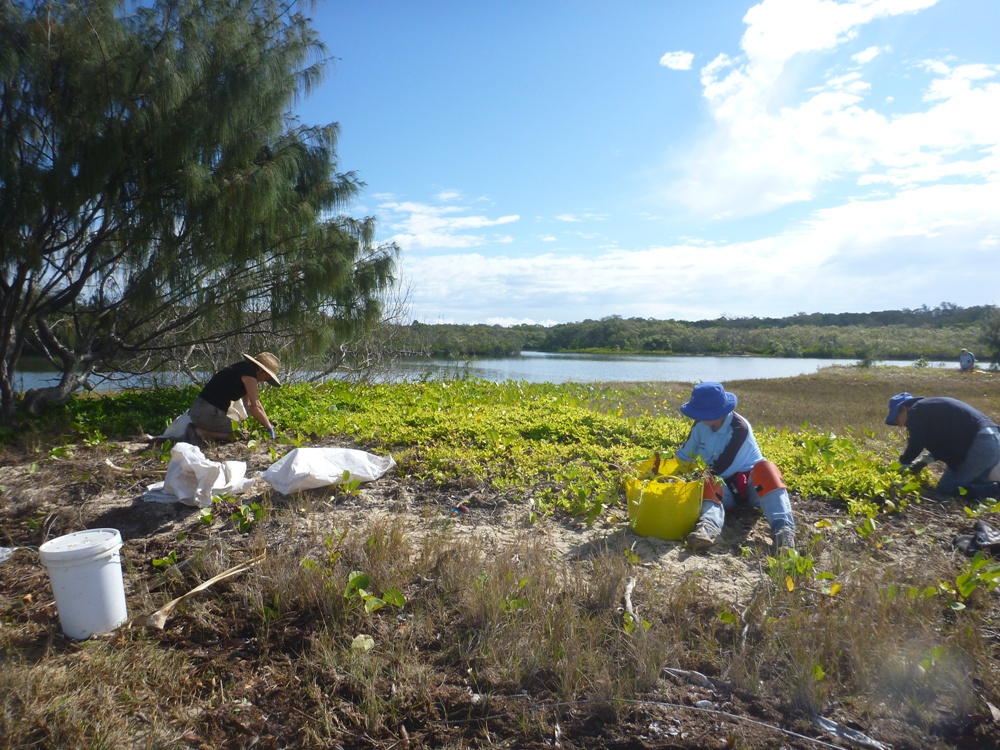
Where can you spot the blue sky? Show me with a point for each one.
(548, 162)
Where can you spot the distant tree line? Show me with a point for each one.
(929, 333)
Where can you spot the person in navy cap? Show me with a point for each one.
(951, 431)
(725, 441)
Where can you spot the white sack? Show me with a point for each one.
(178, 427)
(237, 412)
(193, 480)
(305, 468)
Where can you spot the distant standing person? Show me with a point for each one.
(239, 380)
(725, 441)
(966, 361)
(965, 439)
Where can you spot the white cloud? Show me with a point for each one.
(866, 55)
(846, 258)
(677, 60)
(582, 216)
(775, 143)
(777, 30)
(418, 226)
(507, 321)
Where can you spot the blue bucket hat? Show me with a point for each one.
(709, 401)
(895, 403)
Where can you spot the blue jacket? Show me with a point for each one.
(730, 449)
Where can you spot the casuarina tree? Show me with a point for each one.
(156, 192)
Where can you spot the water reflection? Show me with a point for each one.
(541, 367)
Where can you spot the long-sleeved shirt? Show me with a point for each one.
(945, 427)
(730, 449)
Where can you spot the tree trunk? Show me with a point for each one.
(36, 399)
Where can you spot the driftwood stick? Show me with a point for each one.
(846, 733)
(695, 678)
(158, 619)
(629, 588)
(133, 472)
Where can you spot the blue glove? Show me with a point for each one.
(271, 432)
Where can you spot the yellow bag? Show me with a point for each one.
(665, 507)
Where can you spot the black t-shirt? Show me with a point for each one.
(944, 426)
(227, 385)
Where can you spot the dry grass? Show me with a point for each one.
(841, 399)
(476, 632)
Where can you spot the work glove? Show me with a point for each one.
(270, 431)
(917, 466)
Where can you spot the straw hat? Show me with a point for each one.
(269, 364)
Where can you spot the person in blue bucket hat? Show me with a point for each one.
(951, 431)
(725, 441)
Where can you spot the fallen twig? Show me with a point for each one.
(158, 619)
(629, 588)
(133, 472)
(695, 678)
(846, 733)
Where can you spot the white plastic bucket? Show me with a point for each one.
(86, 574)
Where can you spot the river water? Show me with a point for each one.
(542, 367)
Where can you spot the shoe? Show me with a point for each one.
(702, 537)
(985, 490)
(784, 539)
(191, 436)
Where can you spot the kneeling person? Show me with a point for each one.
(725, 441)
(237, 381)
(949, 430)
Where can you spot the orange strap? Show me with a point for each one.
(712, 490)
(766, 477)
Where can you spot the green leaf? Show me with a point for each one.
(516, 603)
(356, 581)
(362, 643)
(394, 597)
(728, 617)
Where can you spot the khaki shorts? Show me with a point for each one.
(209, 417)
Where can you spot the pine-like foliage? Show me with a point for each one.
(156, 192)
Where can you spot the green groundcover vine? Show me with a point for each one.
(566, 447)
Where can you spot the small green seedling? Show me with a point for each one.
(163, 563)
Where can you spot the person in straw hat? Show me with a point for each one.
(239, 380)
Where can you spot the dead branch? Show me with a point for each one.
(122, 471)
(158, 619)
